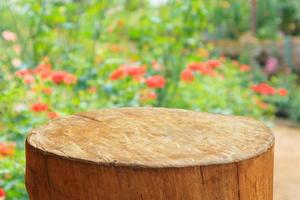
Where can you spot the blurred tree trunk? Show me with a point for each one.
(253, 17)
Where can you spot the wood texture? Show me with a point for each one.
(150, 153)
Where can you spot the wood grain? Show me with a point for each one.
(196, 170)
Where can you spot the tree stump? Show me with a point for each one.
(150, 153)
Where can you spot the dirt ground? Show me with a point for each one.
(287, 161)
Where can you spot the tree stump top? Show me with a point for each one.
(152, 137)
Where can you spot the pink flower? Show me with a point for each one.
(16, 62)
(9, 36)
(271, 65)
(156, 81)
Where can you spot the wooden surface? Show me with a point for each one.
(150, 153)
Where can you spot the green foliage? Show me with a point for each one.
(232, 18)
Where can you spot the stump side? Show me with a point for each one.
(150, 154)
(52, 177)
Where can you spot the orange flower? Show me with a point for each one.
(47, 90)
(7, 148)
(52, 115)
(156, 81)
(262, 104)
(70, 79)
(117, 74)
(245, 68)
(115, 48)
(156, 66)
(39, 107)
(235, 62)
(92, 90)
(187, 75)
(282, 92)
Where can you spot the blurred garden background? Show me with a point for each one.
(58, 57)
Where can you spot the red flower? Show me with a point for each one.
(152, 95)
(282, 92)
(196, 66)
(213, 63)
(263, 88)
(187, 75)
(117, 74)
(43, 69)
(52, 115)
(2, 193)
(208, 71)
(148, 95)
(235, 62)
(59, 77)
(135, 71)
(245, 68)
(156, 81)
(39, 107)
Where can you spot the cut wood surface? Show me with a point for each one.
(150, 153)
